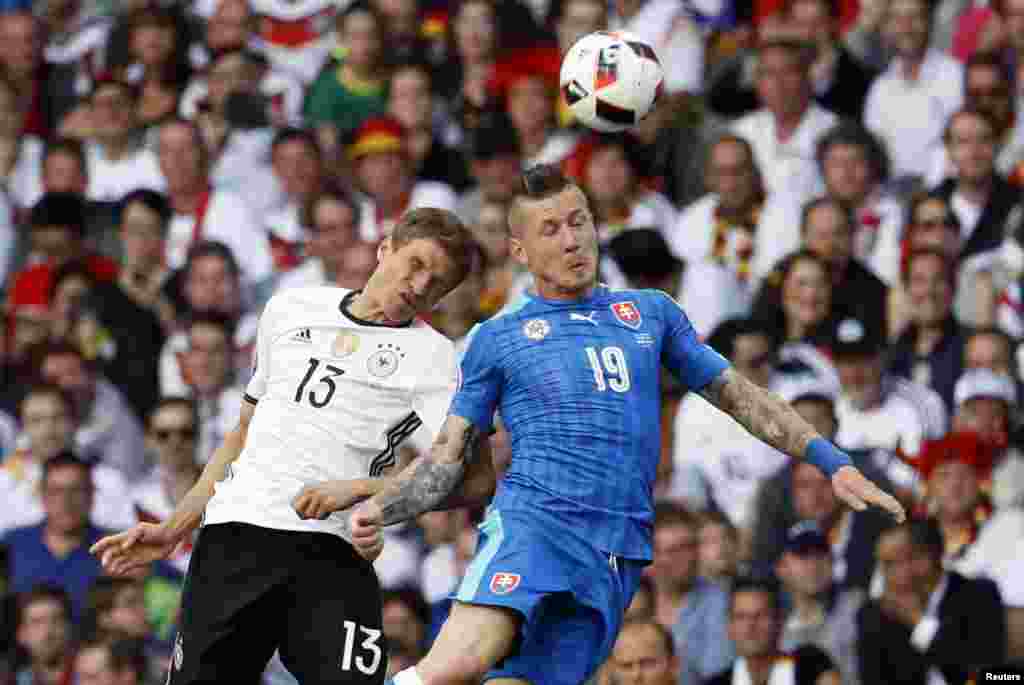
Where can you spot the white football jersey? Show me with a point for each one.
(334, 396)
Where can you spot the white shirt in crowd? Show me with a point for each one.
(25, 183)
(172, 378)
(788, 167)
(729, 461)
(424, 194)
(111, 180)
(218, 416)
(651, 210)
(362, 388)
(908, 415)
(778, 234)
(910, 116)
(228, 220)
(20, 482)
(877, 237)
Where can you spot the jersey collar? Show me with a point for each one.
(346, 302)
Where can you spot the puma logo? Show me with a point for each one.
(576, 316)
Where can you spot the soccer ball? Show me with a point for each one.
(610, 80)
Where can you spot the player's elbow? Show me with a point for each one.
(479, 490)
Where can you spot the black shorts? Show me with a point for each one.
(251, 590)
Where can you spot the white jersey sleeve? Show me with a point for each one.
(257, 386)
(432, 395)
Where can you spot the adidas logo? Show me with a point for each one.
(303, 336)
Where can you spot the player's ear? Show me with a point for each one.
(515, 248)
(383, 249)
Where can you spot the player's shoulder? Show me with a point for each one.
(302, 303)
(431, 339)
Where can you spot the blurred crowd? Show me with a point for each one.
(830, 188)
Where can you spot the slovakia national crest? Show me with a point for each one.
(503, 583)
(627, 313)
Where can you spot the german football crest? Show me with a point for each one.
(503, 583)
(627, 313)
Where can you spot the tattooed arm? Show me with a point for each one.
(764, 414)
(428, 480)
(768, 417)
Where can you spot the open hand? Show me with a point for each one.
(136, 547)
(323, 499)
(367, 534)
(859, 493)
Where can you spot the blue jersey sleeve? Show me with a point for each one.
(693, 363)
(476, 398)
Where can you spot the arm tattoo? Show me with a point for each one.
(428, 480)
(764, 414)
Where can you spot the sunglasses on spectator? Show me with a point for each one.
(940, 222)
(164, 434)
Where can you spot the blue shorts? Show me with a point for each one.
(571, 596)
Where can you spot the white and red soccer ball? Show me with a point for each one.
(610, 80)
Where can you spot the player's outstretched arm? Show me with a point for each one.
(147, 542)
(768, 417)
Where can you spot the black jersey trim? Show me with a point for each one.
(250, 399)
(396, 435)
(346, 301)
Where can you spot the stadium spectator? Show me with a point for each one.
(116, 608)
(57, 550)
(803, 311)
(718, 464)
(694, 608)
(992, 349)
(784, 133)
(839, 77)
(102, 662)
(348, 92)
(980, 197)
(875, 409)
(210, 373)
(908, 105)
(827, 231)
(298, 168)
(383, 170)
(495, 161)
(120, 337)
(330, 220)
(986, 403)
(475, 44)
(107, 426)
(57, 226)
(640, 258)
(48, 430)
(930, 351)
(755, 625)
(406, 617)
(22, 65)
(142, 228)
(955, 499)
(577, 18)
(644, 654)
(736, 224)
(928, 622)
(526, 82)
(210, 284)
(172, 433)
(42, 626)
(411, 103)
(117, 164)
(203, 213)
(821, 613)
(719, 550)
(988, 89)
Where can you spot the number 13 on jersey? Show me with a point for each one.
(609, 367)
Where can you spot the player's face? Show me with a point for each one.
(414, 278)
(558, 244)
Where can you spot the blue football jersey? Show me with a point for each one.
(578, 388)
